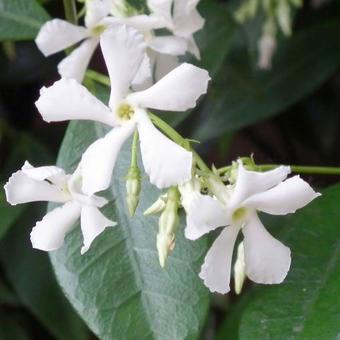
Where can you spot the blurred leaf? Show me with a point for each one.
(30, 273)
(118, 286)
(8, 213)
(20, 19)
(307, 304)
(7, 296)
(11, 329)
(240, 96)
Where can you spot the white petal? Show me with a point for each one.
(249, 183)
(193, 48)
(123, 50)
(56, 35)
(75, 65)
(21, 188)
(215, 271)
(285, 198)
(187, 19)
(43, 172)
(161, 8)
(267, 259)
(96, 10)
(93, 223)
(204, 215)
(143, 23)
(66, 99)
(143, 75)
(177, 91)
(169, 45)
(164, 161)
(99, 159)
(164, 64)
(49, 233)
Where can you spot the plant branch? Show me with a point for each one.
(70, 11)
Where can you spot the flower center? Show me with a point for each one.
(239, 214)
(98, 30)
(125, 111)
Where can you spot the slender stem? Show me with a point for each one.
(317, 170)
(70, 11)
(134, 150)
(98, 77)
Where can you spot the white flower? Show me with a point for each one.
(57, 35)
(266, 259)
(181, 17)
(165, 162)
(51, 184)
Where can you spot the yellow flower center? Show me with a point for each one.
(239, 214)
(98, 30)
(125, 111)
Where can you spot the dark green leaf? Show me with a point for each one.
(307, 304)
(118, 286)
(8, 214)
(11, 329)
(30, 273)
(20, 19)
(240, 95)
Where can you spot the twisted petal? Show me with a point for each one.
(169, 45)
(250, 182)
(187, 19)
(204, 215)
(95, 11)
(75, 65)
(143, 76)
(43, 172)
(285, 198)
(123, 50)
(215, 271)
(56, 35)
(93, 223)
(164, 161)
(267, 260)
(49, 233)
(177, 91)
(193, 48)
(23, 188)
(66, 99)
(99, 159)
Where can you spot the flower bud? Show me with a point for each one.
(157, 207)
(168, 223)
(133, 187)
(239, 269)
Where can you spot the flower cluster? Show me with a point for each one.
(145, 73)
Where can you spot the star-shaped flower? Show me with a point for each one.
(164, 161)
(51, 184)
(266, 259)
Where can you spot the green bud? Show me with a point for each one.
(239, 269)
(156, 207)
(168, 223)
(133, 187)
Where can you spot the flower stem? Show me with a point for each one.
(98, 77)
(299, 169)
(70, 11)
(134, 150)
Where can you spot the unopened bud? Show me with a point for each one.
(133, 187)
(239, 269)
(168, 223)
(157, 207)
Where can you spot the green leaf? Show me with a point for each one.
(240, 96)
(11, 329)
(29, 272)
(20, 19)
(118, 286)
(8, 214)
(306, 304)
